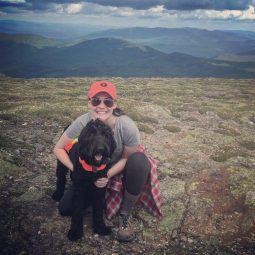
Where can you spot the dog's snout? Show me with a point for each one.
(96, 143)
(100, 149)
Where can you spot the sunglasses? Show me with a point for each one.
(97, 101)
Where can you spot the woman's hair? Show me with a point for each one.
(118, 112)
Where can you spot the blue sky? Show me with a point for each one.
(208, 14)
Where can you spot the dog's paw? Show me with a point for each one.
(102, 230)
(57, 195)
(74, 235)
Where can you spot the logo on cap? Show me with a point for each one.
(103, 84)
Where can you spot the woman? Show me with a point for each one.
(133, 165)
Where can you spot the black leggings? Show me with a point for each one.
(136, 173)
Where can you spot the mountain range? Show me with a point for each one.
(67, 31)
(137, 52)
(196, 42)
(111, 57)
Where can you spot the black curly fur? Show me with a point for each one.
(95, 138)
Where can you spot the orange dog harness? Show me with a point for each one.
(84, 164)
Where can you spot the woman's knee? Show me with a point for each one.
(138, 160)
(136, 172)
(138, 156)
(137, 167)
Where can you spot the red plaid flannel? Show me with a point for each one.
(150, 196)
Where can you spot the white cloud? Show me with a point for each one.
(157, 12)
(73, 8)
(91, 13)
(222, 14)
(161, 13)
(157, 9)
(248, 14)
(14, 1)
(125, 12)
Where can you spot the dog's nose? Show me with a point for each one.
(100, 150)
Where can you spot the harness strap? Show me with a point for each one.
(91, 168)
(84, 164)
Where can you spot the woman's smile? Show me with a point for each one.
(101, 110)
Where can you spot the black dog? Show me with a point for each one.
(90, 157)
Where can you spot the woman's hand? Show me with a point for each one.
(101, 182)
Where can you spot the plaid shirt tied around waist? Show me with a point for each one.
(150, 196)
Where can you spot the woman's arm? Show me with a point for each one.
(120, 165)
(116, 168)
(60, 152)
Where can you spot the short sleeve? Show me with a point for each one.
(131, 135)
(74, 130)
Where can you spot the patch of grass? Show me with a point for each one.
(252, 118)
(172, 129)
(145, 128)
(136, 116)
(180, 93)
(228, 131)
(175, 110)
(147, 100)
(225, 115)
(204, 109)
(247, 223)
(7, 168)
(148, 119)
(5, 106)
(53, 114)
(11, 143)
(174, 212)
(191, 119)
(58, 113)
(242, 180)
(176, 115)
(9, 117)
(244, 108)
(250, 145)
(4, 142)
(227, 152)
(30, 195)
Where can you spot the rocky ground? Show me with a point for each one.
(201, 131)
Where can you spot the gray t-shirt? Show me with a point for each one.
(125, 133)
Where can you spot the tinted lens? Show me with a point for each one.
(96, 101)
(108, 102)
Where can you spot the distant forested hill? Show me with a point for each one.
(192, 41)
(111, 57)
(195, 42)
(51, 30)
(33, 40)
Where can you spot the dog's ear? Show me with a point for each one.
(113, 143)
(86, 131)
(110, 135)
(82, 134)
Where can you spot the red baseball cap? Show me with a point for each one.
(102, 86)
